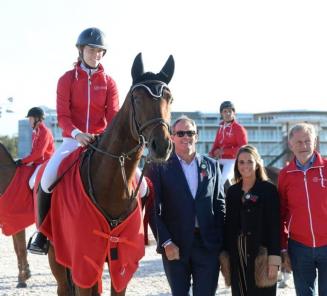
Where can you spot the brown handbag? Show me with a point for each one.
(261, 269)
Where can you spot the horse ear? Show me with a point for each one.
(167, 70)
(137, 68)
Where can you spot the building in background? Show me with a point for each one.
(266, 131)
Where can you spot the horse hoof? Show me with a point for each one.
(21, 285)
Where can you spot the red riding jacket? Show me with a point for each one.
(303, 196)
(230, 137)
(42, 145)
(86, 102)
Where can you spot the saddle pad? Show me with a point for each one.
(83, 240)
(16, 203)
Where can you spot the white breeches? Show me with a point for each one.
(49, 176)
(228, 169)
(31, 181)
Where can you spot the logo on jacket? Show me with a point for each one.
(100, 87)
(321, 180)
(249, 197)
(203, 167)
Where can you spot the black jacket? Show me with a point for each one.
(176, 208)
(257, 217)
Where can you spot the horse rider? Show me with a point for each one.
(87, 101)
(229, 138)
(42, 143)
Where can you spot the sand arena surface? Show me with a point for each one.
(148, 280)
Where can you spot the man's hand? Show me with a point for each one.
(172, 251)
(286, 262)
(84, 138)
(18, 163)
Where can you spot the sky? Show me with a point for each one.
(262, 55)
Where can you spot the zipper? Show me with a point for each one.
(309, 210)
(289, 226)
(88, 101)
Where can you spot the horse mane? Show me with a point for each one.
(5, 154)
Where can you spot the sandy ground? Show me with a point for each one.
(148, 280)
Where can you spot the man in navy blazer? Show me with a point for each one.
(189, 214)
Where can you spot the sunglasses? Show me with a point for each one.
(183, 133)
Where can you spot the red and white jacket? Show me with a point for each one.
(86, 102)
(303, 201)
(230, 137)
(42, 145)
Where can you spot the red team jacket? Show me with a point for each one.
(303, 201)
(42, 145)
(84, 102)
(230, 137)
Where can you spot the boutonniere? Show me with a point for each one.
(250, 197)
(203, 168)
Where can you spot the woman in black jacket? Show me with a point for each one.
(252, 245)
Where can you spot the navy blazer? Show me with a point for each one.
(175, 207)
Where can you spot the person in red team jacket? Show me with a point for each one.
(87, 101)
(42, 143)
(229, 138)
(302, 187)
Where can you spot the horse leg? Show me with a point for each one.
(24, 272)
(60, 274)
(88, 292)
(114, 293)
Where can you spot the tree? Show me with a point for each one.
(11, 143)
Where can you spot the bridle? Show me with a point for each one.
(155, 89)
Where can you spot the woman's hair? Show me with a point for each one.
(260, 171)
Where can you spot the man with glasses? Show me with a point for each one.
(303, 193)
(189, 214)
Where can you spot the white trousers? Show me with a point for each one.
(31, 181)
(228, 169)
(50, 173)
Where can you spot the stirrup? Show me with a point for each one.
(39, 246)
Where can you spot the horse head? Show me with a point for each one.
(150, 113)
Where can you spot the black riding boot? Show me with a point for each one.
(40, 245)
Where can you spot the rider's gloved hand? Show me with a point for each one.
(18, 163)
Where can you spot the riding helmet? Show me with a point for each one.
(36, 112)
(93, 37)
(225, 105)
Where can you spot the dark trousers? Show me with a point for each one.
(202, 267)
(306, 262)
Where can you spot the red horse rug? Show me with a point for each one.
(83, 239)
(16, 203)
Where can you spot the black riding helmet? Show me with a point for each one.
(93, 37)
(36, 112)
(225, 105)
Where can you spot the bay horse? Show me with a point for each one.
(7, 172)
(108, 168)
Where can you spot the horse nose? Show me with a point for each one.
(161, 148)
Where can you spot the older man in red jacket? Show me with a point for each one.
(303, 192)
